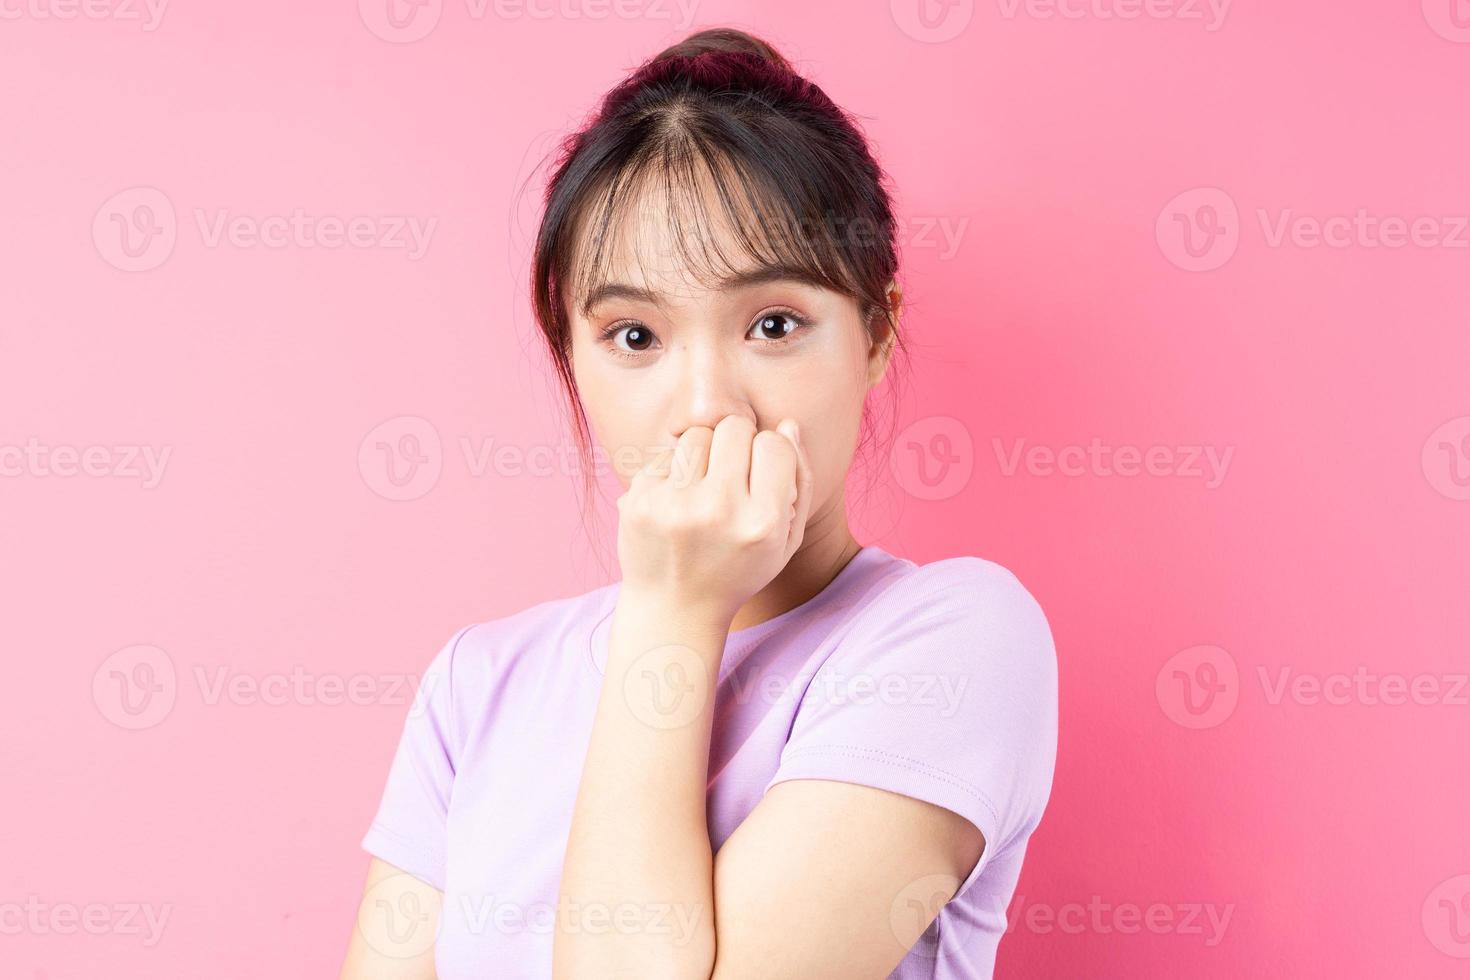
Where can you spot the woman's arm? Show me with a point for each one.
(700, 530)
(828, 880)
(823, 879)
(397, 921)
(639, 852)
(818, 864)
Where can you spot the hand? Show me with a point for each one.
(711, 523)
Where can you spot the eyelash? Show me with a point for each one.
(802, 323)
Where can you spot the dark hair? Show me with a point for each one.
(722, 107)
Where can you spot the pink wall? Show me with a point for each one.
(1235, 619)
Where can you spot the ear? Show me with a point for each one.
(880, 353)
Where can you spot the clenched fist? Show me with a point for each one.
(709, 524)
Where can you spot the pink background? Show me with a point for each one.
(1071, 309)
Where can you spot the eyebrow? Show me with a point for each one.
(739, 280)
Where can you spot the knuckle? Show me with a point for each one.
(773, 445)
(735, 422)
(757, 528)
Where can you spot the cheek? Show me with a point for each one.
(830, 440)
(829, 413)
(618, 424)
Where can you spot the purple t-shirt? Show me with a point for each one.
(935, 681)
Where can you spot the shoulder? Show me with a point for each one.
(944, 689)
(977, 577)
(960, 646)
(977, 609)
(546, 638)
(537, 628)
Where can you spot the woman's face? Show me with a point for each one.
(657, 352)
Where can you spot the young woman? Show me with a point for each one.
(768, 751)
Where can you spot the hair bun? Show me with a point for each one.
(723, 40)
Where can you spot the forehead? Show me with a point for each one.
(681, 239)
(655, 246)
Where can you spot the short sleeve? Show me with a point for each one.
(410, 827)
(944, 690)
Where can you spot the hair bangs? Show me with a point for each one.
(674, 199)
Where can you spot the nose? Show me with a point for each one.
(709, 387)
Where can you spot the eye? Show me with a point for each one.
(637, 337)
(775, 326)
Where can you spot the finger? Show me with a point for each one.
(804, 484)
(773, 474)
(691, 455)
(658, 463)
(729, 454)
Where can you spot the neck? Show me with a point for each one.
(826, 548)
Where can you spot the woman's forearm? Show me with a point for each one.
(636, 895)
